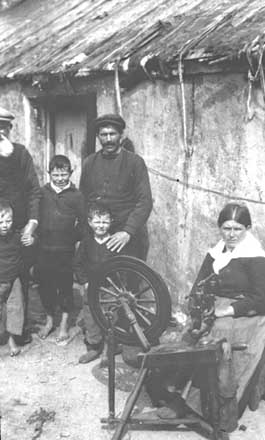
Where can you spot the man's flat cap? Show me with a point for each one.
(6, 115)
(110, 119)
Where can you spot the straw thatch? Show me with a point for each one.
(42, 36)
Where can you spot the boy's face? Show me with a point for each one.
(6, 221)
(60, 177)
(100, 224)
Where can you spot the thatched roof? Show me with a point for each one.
(51, 36)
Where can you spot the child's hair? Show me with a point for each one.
(235, 211)
(60, 161)
(5, 205)
(98, 209)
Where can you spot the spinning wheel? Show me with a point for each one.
(131, 303)
(136, 296)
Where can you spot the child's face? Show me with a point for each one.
(6, 221)
(100, 224)
(60, 177)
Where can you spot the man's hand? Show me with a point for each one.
(27, 238)
(117, 241)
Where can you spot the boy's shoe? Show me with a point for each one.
(93, 352)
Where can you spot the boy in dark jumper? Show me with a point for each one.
(91, 253)
(62, 219)
(11, 271)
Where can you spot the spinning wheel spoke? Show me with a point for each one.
(146, 310)
(145, 289)
(105, 290)
(127, 283)
(143, 317)
(121, 281)
(109, 302)
(118, 290)
(120, 329)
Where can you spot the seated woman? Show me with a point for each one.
(238, 261)
(238, 265)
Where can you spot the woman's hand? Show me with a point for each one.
(221, 312)
(83, 289)
(227, 350)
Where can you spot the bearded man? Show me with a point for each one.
(19, 184)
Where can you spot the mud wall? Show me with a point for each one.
(227, 155)
(227, 147)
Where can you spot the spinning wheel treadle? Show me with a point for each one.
(126, 285)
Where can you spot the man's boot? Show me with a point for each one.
(93, 352)
(24, 339)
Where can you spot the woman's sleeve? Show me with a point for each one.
(205, 270)
(255, 268)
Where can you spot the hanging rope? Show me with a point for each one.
(117, 89)
(254, 76)
(188, 150)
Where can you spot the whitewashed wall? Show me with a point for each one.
(228, 156)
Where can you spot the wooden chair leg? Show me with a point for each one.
(130, 404)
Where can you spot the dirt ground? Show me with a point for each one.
(45, 393)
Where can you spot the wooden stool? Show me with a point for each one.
(181, 355)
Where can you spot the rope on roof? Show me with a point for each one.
(188, 149)
(117, 88)
(254, 74)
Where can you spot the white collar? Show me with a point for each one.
(59, 190)
(102, 240)
(248, 247)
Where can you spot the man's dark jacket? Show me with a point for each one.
(121, 183)
(19, 184)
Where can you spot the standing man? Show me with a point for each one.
(19, 184)
(117, 179)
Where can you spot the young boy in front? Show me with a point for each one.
(91, 253)
(11, 270)
(62, 219)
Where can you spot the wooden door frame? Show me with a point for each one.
(47, 107)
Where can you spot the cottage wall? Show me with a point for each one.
(227, 154)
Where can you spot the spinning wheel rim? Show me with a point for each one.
(153, 320)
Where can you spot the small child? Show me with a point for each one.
(11, 269)
(62, 219)
(90, 254)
